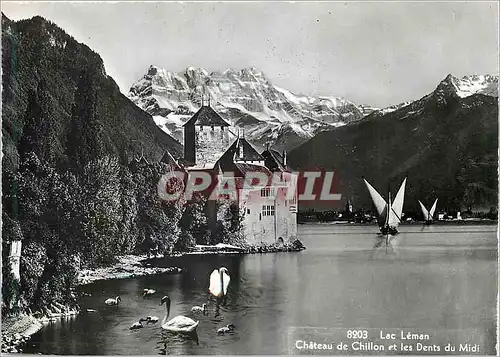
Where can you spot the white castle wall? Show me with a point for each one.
(261, 228)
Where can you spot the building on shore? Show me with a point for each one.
(268, 210)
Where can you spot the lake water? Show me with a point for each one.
(440, 280)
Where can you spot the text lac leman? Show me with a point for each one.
(404, 336)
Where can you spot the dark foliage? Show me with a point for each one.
(70, 194)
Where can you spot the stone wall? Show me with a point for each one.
(211, 143)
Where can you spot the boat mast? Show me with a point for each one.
(389, 208)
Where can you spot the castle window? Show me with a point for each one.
(268, 210)
(213, 128)
(222, 128)
(267, 192)
(201, 128)
(248, 210)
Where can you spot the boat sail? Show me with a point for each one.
(428, 214)
(389, 213)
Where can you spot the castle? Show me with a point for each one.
(269, 214)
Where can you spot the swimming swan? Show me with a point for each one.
(152, 319)
(219, 281)
(202, 308)
(148, 292)
(114, 301)
(225, 329)
(137, 325)
(181, 324)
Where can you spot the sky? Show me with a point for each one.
(377, 53)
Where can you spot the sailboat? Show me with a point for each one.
(428, 214)
(389, 213)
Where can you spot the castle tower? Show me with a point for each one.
(206, 136)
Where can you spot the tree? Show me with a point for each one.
(40, 130)
(194, 220)
(101, 212)
(157, 220)
(85, 139)
(230, 223)
(48, 212)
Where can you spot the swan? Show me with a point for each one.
(225, 329)
(137, 325)
(181, 324)
(152, 319)
(91, 310)
(148, 292)
(114, 301)
(219, 281)
(202, 308)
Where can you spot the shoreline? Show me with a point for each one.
(456, 222)
(17, 330)
(128, 266)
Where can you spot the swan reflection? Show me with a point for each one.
(170, 339)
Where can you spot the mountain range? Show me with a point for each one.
(55, 88)
(267, 113)
(446, 143)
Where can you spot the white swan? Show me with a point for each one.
(181, 324)
(202, 308)
(137, 325)
(225, 329)
(148, 292)
(152, 319)
(114, 301)
(219, 281)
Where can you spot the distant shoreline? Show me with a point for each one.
(489, 222)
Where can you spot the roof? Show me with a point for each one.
(274, 160)
(168, 159)
(243, 169)
(207, 116)
(206, 166)
(138, 161)
(240, 172)
(249, 152)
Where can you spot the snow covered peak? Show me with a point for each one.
(152, 70)
(469, 85)
(245, 97)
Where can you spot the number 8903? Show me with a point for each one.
(357, 334)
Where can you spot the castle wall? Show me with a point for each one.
(254, 162)
(210, 143)
(268, 218)
(189, 143)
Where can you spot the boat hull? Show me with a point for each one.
(389, 230)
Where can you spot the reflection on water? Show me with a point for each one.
(169, 341)
(443, 277)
